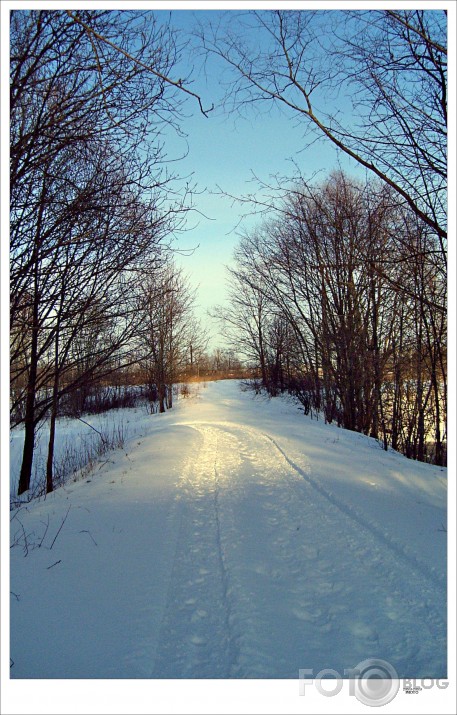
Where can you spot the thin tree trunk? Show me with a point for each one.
(161, 389)
(29, 417)
(50, 459)
(30, 420)
(52, 425)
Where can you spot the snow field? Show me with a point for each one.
(235, 539)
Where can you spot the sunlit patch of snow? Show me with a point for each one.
(235, 539)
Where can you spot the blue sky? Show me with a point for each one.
(226, 150)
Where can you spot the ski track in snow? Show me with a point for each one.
(253, 568)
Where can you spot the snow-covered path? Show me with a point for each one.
(236, 539)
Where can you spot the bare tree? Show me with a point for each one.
(90, 195)
(167, 330)
(351, 291)
(383, 73)
(243, 320)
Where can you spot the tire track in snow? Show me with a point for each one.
(232, 646)
(362, 568)
(195, 637)
(284, 574)
(400, 550)
(425, 581)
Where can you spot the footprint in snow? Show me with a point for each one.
(362, 630)
(197, 640)
(198, 615)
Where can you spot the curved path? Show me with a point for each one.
(233, 538)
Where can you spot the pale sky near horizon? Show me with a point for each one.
(226, 151)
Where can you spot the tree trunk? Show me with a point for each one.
(161, 389)
(29, 418)
(50, 459)
(52, 425)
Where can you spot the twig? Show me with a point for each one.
(92, 33)
(86, 531)
(17, 539)
(17, 512)
(26, 545)
(60, 528)
(45, 532)
(16, 596)
(54, 564)
(103, 438)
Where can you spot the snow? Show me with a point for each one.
(76, 442)
(233, 538)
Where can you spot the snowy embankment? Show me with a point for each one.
(234, 539)
(79, 442)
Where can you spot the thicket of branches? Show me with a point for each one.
(171, 340)
(339, 298)
(341, 295)
(371, 82)
(92, 202)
